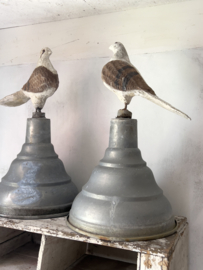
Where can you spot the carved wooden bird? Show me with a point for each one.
(121, 77)
(42, 84)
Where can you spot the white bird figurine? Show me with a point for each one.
(42, 84)
(121, 77)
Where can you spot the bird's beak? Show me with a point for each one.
(111, 47)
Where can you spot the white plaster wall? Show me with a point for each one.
(81, 110)
(175, 26)
(22, 12)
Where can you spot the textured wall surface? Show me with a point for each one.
(22, 12)
(161, 28)
(81, 110)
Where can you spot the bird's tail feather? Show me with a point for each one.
(164, 104)
(15, 99)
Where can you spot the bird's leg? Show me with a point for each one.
(125, 108)
(124, 113)
(38, 113)
(38, 109)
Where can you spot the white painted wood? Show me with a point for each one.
(112, 253)
(23, 12)
(56, 253)
(6, 234)
(30, 249)
(36, 238)
(58, 227)
(176, 259)
(152, 29)
(179, 258)
(138, 261)
(150, 262)
(64, 247)
(159, 263)
(23, 258)
(14, 243)
(89, 262)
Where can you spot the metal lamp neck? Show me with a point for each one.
(38, 130)
(123, 133)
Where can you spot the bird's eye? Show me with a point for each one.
(43, 51)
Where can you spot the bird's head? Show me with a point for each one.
(45, 61)
(119, 52)
(45, 52)
(117, 46)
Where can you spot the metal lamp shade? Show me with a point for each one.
(36, 185)
(122, 201)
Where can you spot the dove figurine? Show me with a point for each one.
(42, 84)
(121, 77)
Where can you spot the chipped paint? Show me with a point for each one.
(58, 227)
(163, 264)
(147, 262)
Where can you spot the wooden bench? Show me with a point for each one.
(62, 249)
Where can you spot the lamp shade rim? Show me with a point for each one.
(124, 239)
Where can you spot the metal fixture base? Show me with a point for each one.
(120, 239)
(122, 200)
(36, 185)
(38, 115)
(123, 113)
(37, 217)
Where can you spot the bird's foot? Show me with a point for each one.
(38, 109)
(38, 113)
(123, 113)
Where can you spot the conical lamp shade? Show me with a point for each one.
(36, 185)
(121, 200)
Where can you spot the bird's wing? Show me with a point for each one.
(161, 103)
(120, 75)
(14, 100)
(41, 80)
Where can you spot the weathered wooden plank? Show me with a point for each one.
(23, 258)
(56, 253)
(6, 234)
(58, 227)
(36, 238)
(179, 258)
(112, 253)
(153, 29)
(93, 262)
(15, 243)
(150, 262)
(30, 249)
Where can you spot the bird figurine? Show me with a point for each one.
(121, 77)
(42, 84)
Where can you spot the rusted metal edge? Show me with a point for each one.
(130, 239)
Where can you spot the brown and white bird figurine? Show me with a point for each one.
(121, 77)
(42, 84)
